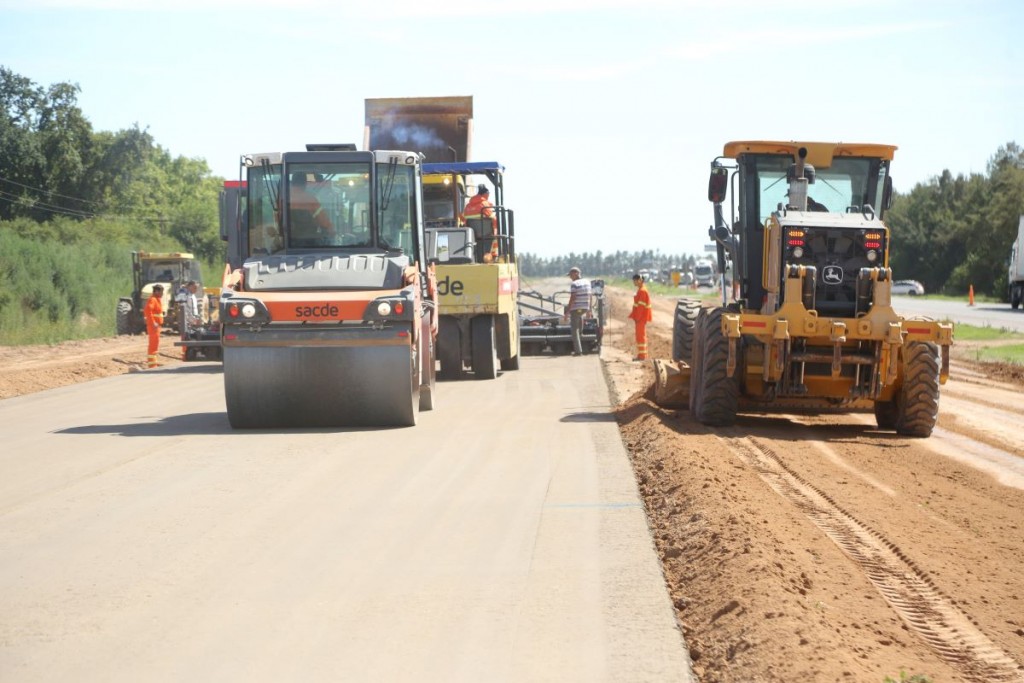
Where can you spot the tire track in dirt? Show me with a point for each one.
(905, 587)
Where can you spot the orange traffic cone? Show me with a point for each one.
(970, 296)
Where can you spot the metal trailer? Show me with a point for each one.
(545, 328)
(200, 335)
(199, 339)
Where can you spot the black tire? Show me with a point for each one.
(124, 317)
(682, 329)
(485, 354)
(696, 365)
(717, 394)
(1017, 296)
(917, 404)
(513, 362)
(428, 368)
(449, 348)
(885, 414)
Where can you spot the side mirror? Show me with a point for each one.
(887, 193)
(717, 184)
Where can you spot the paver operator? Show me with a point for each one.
(479, 206)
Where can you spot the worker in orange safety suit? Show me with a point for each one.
(479, 206)
(641, 315)
(154, 314)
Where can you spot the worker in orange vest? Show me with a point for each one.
(479, 206)
(154, 314)
(641, 315)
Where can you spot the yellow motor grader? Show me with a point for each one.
(809, 324)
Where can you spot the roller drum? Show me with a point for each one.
(325, 386)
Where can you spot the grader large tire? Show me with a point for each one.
(124, 317)
(715, 398)
(685, 319)
(696, 367)
(485, 354)
(917, 405)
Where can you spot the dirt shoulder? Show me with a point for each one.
(27, 369)
(823, 549)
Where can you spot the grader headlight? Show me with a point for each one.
(873, 246)
(795, 240)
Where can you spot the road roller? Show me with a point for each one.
(328, 309)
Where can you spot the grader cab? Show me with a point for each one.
(809, 325)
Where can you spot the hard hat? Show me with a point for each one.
(574, 269)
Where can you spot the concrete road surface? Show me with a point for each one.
(502, 539)
(999, 316)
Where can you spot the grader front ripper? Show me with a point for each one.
(811, 326)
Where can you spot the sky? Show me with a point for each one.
(605, 113)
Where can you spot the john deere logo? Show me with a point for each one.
(832, 275)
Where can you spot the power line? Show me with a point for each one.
(50, 192)
(51, 208)
(54, 209)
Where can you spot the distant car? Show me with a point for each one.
(911, 287)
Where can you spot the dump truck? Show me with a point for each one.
(474, 258)
(328, 308)
(1016, 268)
(810, 327)
(169, 269)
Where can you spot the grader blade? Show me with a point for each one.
(671, 383)
(273, 387)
